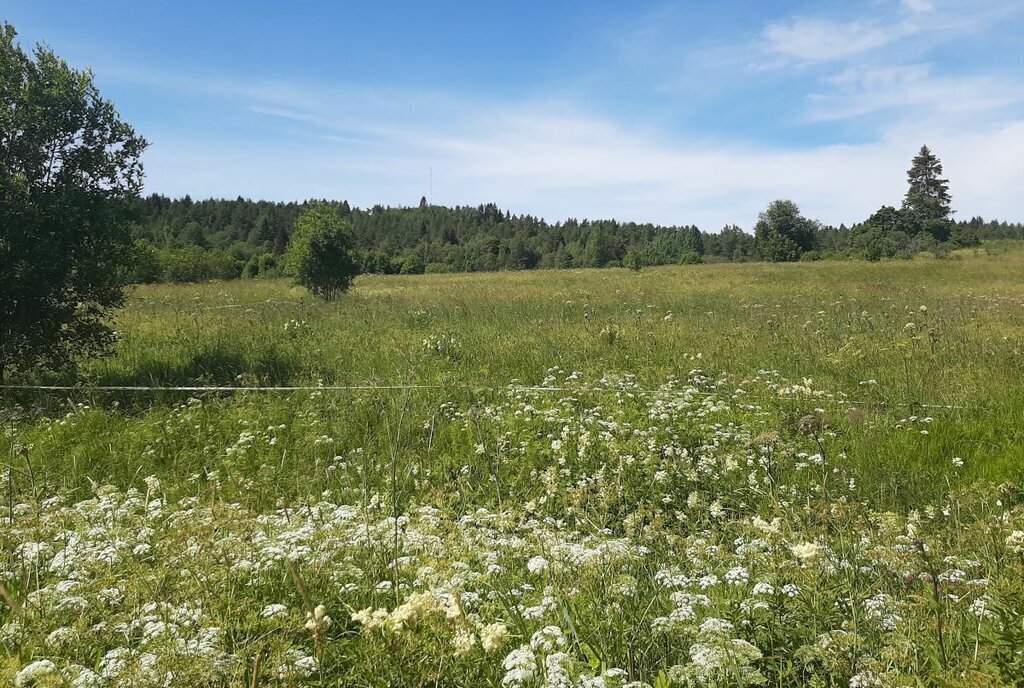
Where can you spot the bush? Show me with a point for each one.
(193, 264)
(263, 265)
(413, 265)
(320, 256)
(147, 269)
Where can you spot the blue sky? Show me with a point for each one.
(672, 112)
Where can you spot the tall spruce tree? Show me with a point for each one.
(927, 203)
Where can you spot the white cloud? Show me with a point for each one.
(556, 159)
(556, 162)
(918, 6)
(860, 90)
(817, 39)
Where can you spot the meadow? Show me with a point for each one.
(712, 475)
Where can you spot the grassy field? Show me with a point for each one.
(721, 475)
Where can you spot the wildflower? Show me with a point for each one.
(806, 551)
(867, 678)
(556, 675)
(370, 618)
(274, 610)
(979, 607)
(492, 635)
(1015, 541)
(463, 643)
(548, 638)
(296, 664)
(519, 666)
(714, 627)
(416, 605)
(537, 565)
(35, 672)
(737, 576)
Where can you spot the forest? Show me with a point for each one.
(184, 240)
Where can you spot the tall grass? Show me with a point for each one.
(835, 429)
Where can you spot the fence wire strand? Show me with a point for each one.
(471, 388)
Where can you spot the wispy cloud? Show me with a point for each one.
(918, 6)
(559, 155)
(573, 163)
(817, 39)
(859, 91)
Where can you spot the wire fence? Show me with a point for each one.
(832, 400)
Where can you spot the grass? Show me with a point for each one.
(927, 332)
(844, 400)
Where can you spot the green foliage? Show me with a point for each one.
(193, 264)
(927, 202)
(483, 238)
(684, 508)
(782, 233)
(70, 168)
(146, 265)
(689, 258)
(412, 264)
(263, 265)
(320, 256)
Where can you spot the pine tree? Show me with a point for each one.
(927, 202)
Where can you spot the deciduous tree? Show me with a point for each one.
(320, 256)
(69, 167)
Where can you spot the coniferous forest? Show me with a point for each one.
(186, 240)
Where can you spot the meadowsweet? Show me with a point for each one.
(317, 621)
(806, 552)
(371, 619)
(1015, 541)
(492, 636)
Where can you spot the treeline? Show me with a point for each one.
(185, 240)
(179, 238)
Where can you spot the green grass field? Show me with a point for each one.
(804, 474)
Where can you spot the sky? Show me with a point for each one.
(669, 112)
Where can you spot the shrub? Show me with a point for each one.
(413, 265)
(320, 256)
(193, 264)
(147, 263)
(263, 265)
